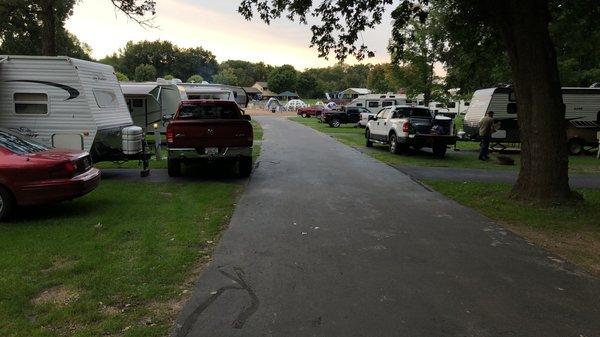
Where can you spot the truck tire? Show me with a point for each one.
(575, 146)
(303, 115)
(174, 168)
(369, 142)
(395, 147)
(7, 203)
(439, 150)
(335, 123)
(245, 167)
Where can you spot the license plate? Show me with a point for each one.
(211, 151)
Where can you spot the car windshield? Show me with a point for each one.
(20, 144)
(209, 111)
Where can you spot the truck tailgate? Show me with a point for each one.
(199, 133)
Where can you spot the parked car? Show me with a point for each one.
(345, 115)
(209, 130)
(404, 126)
(32, 173)
(311, 111)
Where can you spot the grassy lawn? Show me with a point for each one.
(572, 232)
(162, 164)
(117, 262)
(466, 157)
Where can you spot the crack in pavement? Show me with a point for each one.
(184, 329)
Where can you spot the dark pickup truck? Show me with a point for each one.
(345, 115)
(209, 130)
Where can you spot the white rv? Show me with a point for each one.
(149, 103)
(376, 102)
(216, 91)
(582, 109)
(67, 103)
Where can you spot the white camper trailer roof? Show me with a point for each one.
(137, 89)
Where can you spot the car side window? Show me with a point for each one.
(381, 113)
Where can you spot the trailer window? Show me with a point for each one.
(31, 103)
(387, 103)
(105, 98)
(452, 105)
(359, 104)
(138, 103)
(512, 96)
(374, 104)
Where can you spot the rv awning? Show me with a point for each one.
(137, 89)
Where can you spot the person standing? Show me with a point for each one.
(486, 129)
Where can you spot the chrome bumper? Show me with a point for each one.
(225, 152)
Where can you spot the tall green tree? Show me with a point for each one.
(378, 81)
(47, 17)
(145, 72)
(226, 76)
(166, 58)
(283, 78)
(522, 25)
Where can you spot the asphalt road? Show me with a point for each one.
(326, 241)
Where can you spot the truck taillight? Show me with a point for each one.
(405, 127)
(169, 134)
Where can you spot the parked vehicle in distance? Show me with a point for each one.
(209, 130)
(365, 117)
(32, 173)
(405, 126)
(311, 111)
(344, 115)
(375, 102)
(582, 114)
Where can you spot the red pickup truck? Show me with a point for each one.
(209, 130)
(311, 111)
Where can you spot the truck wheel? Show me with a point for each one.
(575, 146)
(439, 150)
(174, 168)
(245, 166)
(394, 146)
(335, 123)
(7, 203)
(303, 115)
(369, 143)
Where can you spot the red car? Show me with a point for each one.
(315, 111)
(32, 173)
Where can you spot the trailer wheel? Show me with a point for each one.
(245, 167)
(575, 146)
(174, 168)
(369, 142)
(439, 149)
(7, 203)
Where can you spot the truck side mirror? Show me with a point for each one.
(372, 118)
(167, 118)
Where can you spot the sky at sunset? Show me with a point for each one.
(214, 25)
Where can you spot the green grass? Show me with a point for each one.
(572, 231)
(162, 164)
(353, 136)
(122, 254)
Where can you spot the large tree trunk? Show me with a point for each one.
(541, 115)
(48, 27)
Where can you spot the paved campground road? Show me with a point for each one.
(326, 241)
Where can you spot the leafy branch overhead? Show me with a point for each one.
(137, 10)
(339, 23)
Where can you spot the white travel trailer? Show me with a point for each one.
(376, 102)
(582, 110)
(219, 91)
(149, 103)
(67, 103)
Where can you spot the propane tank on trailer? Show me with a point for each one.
(133, 137)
